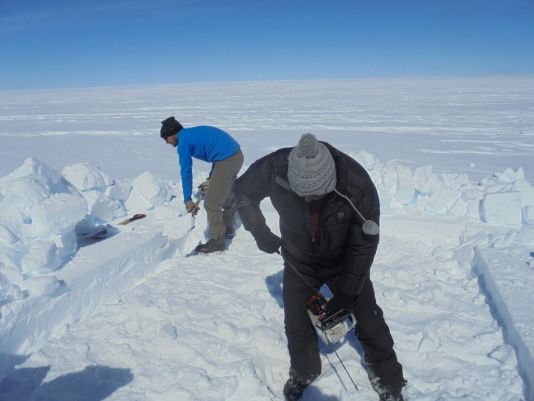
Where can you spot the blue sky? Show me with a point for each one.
(69, 43)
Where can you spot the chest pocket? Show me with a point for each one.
(334, 229)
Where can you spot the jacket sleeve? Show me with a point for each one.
(186, 166)
(250, 189)
(360, 248)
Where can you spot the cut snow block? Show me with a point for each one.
(441, 200)
(25, 192)
(106, 209)
(527, 192)
(42, 173)
(119, 191)
(526, 236)
(136, 201)
(56, 215)
(507, 280)
(458, 209)
(148, 191)
(405, 186)
(42, 257)
(528, 215)
(6, 235)
(425, 181)
(98, 273)
(502, 208)
(85, 176)
(366, 159)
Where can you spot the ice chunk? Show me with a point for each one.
(440, 201)
(148, 191)
(119, 190)
(424, 180)
(24, 191)
(405, 186)
(9, 292)
(85, 176)
(57, 214)
(528, 214)
(527, 192)
(42, 257)
(456, 181)
(509, 176)
(106, 209)
(502, 208)
(366, 159)
(44, 285)
(42, 173)
(6, 235)
(526, 235)
(136, 201)
(458, 209)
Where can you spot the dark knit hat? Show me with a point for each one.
(169, 127)
(311, 168)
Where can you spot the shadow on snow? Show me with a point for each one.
(94, 383)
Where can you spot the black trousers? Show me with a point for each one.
(371, 330)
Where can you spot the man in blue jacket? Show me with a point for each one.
(215, 146)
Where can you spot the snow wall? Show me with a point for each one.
(49, 280)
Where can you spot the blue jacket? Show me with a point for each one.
(206, 143)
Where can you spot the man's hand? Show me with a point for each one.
(192, 207)
(266, 240)
(204, 186)
(337, 303)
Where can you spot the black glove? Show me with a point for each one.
(337, 303)
(266, 240)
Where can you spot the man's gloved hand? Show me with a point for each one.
(192, 207)
(338, 302)
(266, 240)
(204, 186)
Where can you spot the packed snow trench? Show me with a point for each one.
(134, 317)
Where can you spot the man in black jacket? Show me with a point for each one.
(329, 214)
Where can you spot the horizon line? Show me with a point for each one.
(289, 80)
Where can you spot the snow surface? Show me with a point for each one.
(131, 317)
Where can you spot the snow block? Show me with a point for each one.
(39, 172)
(119, 191)
(405, 186)
(85, 176)
(507, 278)
(432, 233)
(528, 215)
(424, 180)
(98, 272)
(148, 191)
(102, 208)
(440, 201)
(502, 208)
(58, 214)
(42, 257)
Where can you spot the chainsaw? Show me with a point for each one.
(331, 327)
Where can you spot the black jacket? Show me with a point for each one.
(339, 247)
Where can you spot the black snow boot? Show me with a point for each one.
(213, 245)
(385, 392)
(294, 387)
(391, 397)
(230, 232)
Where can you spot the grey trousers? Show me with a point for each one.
(219, 202)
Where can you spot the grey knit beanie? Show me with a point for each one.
(311, 169)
